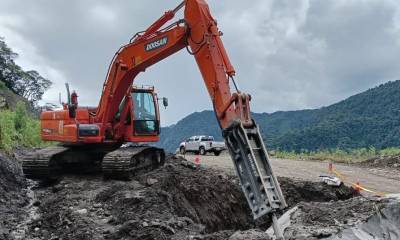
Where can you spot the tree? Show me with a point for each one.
(28, 84)
(9, 71)
(32, 86)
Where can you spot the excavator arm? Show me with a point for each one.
(198, 32)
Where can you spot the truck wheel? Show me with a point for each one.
(217, 153)
(202, 151)
(182, 150)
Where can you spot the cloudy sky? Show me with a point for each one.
(288, 54)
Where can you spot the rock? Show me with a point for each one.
(56, 189)
(111, 220)
(97, 205)
(145, 224)
(3, 103)
(67, 222)
(36, 229)
(82, 211)
(163, 226)
(151, 181)
(252, 234)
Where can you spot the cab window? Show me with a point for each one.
(144, 112)
(205, 139)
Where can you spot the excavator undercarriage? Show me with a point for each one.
(116, 163)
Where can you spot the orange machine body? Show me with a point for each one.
(113, 121)
(60, 126)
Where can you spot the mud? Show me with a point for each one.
(323, 220)
(175, 202)
(178, 201)
(12, 196)
(385, 224)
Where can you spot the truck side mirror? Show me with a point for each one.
(165, 102)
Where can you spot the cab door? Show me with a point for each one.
(194, 144)
(145, 113)
(189, 144)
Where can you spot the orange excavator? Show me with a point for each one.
(130, 114)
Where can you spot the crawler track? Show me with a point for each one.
(125, 162)
(50, 163)
(38, 164)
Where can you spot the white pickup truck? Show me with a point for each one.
(202, 145)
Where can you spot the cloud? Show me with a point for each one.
(288, 54)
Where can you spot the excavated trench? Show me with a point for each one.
(184, 201)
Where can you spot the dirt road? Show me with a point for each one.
(377, 179)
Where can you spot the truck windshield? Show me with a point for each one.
(145, 119)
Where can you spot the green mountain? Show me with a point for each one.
(371, 118)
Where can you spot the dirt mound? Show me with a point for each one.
(172, 202)
(12, 195)
(206, 196)
(177, 201)
(383, 162)
(296, 191)
(330, 219)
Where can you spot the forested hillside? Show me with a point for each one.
(371, 118)
(20, 91)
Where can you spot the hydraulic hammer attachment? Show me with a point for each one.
(250, 157)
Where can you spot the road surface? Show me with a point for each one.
(379, 180)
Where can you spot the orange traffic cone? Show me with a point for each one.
(197, 160)
(357, 187)
(330, 168)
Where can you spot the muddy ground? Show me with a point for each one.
(178, 201)
(13, 195)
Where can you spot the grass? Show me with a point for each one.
(17, 129)
(338, 155)
(2, 85)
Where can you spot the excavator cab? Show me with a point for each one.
(140, 114)
(146, 118)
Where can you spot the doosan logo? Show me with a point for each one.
(157, 44)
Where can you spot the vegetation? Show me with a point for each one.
(2, 85)
(369, 120)
(337, 155)
(19, 89)
(28, 84)
(17, 129)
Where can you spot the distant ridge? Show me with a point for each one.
(370, 118)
